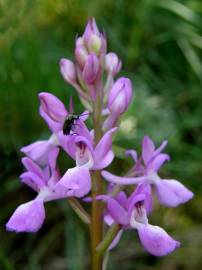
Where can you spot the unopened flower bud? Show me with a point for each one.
(112, 63)
(91, 69)
(67, 69)
(92, 37)
(120, 96)
(94, 44)
(91, 29)
(81, 53)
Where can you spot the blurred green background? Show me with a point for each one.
(160, 44)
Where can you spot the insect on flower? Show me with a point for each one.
(70, 123)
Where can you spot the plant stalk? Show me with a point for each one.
(97, 188)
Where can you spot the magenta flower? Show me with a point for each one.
(131, 213)
(170, 193)
(30, 216)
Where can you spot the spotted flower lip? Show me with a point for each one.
(170, 193)
(131, 213)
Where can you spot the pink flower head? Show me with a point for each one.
(131, 213)
(170, 193)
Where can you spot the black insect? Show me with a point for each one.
(70, 123)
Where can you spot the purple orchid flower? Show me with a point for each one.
(54, 113)
(30, 216)
(131, 213)
(81, 149)
(170, 193)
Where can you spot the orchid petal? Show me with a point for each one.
(158, 162)
(84, 152)
(117, 212)
(171, 193)
(68, 144)
(103, 154)
(132, 153)
(122, 180)
(148, 148)
(38, 151)
(156, 241)
(33, 180)
(77, 180)
(28, 217)
(32, 167)
(53, 111)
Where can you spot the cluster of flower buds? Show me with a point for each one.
(69, 133)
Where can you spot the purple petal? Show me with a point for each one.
(53, 111)
(75, 182)
(116, 240)
(103, 154)
(158, 162)
(108, 219)
(33, 180)
(156, 241)
(122, 198)
(68, 71)
(32, 167)
(160, 148)
(117, 212)
(122, 180)
(132, 153)
(91, 69)
(171, 193)
(148, 148)
(52, 158)
(84, 152)
(141, 193)
(68, 144)
(28, 217)
(38, 151)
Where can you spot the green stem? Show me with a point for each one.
(109, 237)
(97, 188)
(77, 207)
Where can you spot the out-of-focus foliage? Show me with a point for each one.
(160, 43)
